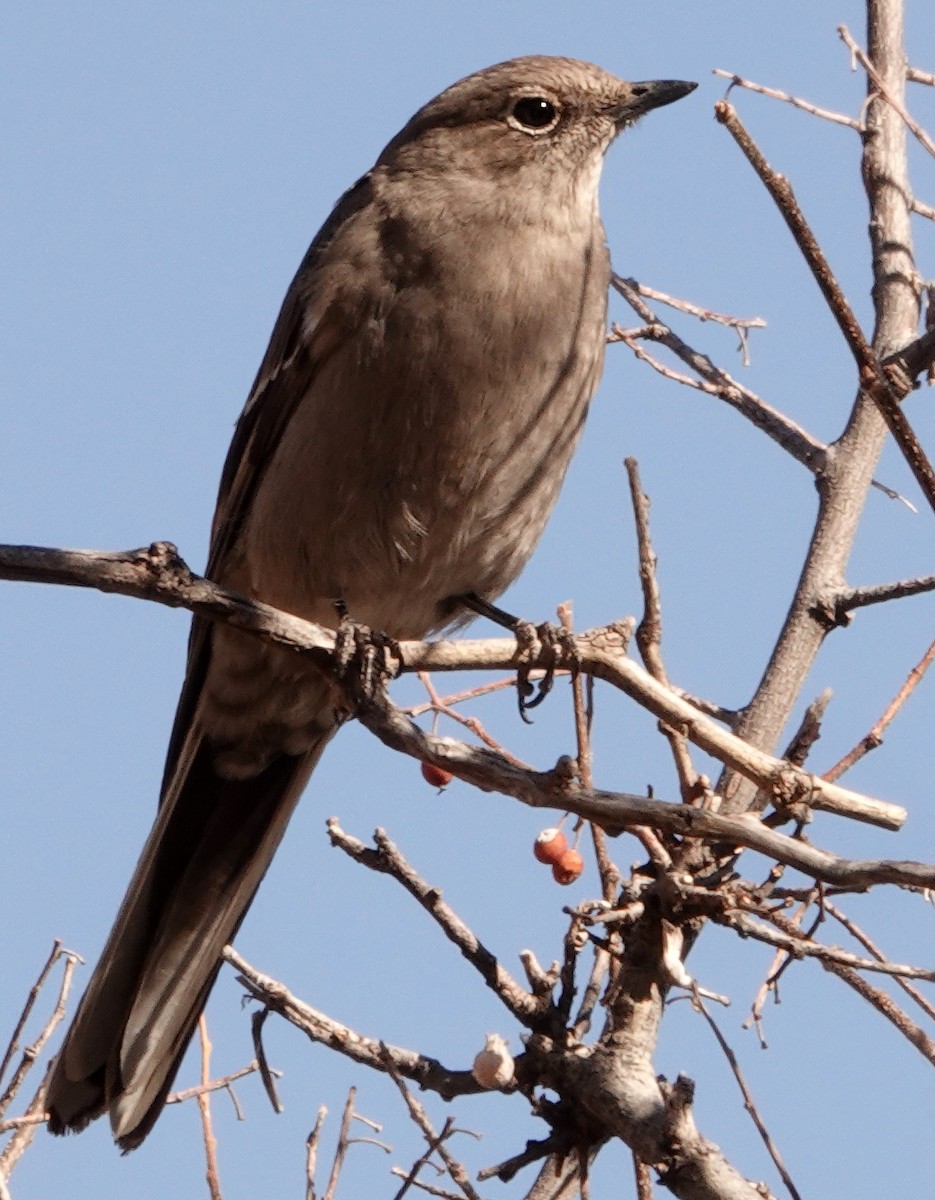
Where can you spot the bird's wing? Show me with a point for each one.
(214, 835)
(305, 335)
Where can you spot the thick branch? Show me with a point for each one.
(159, 574)
(850, 463)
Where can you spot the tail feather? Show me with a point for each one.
(202, 863)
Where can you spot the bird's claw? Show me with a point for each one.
(362, 659)
(560, 645)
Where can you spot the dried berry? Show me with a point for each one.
(568, 867)
(436, 776)
(550, 845)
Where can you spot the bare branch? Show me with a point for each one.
(791, 436)
(267, 1074)
(32, 1052)
(885, 1005)
(341, 1148)
(649, 630)
(435, 1140)
(311, 1152)
(748, 1101)
(856, 932)
(885, 388)
(741, 325)
(795, 101)
(216, 1085)
(875, 737)
(882, 90)
(880, 593)
(914, 75)
(921, 208)
(159, 574)
(426, 1072)
(799, 945)
(387, 858)
(204, 1106)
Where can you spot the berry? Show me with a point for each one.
(568, 867)
(436, 776)
(550, 845)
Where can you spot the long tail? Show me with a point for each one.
(203, 861)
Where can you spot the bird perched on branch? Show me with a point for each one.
(400, 451)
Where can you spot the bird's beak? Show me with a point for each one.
(643, 97)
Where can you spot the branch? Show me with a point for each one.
(158, 574)
(426, 1072)
(795, 101)
(800, 945)
(883, 91)
(748, 1101)
(784, 431)
(885, 388)
(861, 597)
(914, 75)
(875, 737)
(388, 858)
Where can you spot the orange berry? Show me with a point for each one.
(568, 867)
(550, 845)
(436, 776)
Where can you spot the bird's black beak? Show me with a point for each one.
(654, 93)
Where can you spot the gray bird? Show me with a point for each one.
(400, 451)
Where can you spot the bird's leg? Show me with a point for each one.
(560, 642)
(361, 656)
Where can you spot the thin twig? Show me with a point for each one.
(427, 1072)
(204, 1106)
(257, 1021)
(855, 931)
(874, 738)
(740, 325)
(32, 1052)
(882, 593)
(387, 858)
(340, 1150)
(796, 102)
(649, 630)
(216, 1085)
(800, 945)
(885, 388)
(916, 76)
(25, 1130)
(455, 1169)
(885, 1005)
(922, 209)
(790, 436)
(923, 138)
(748, 1101)
(610, 875)
(443, 705)
(31, 999)
(311, 1153)
(809, 730)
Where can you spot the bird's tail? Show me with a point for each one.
(202, 863)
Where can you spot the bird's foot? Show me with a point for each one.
(362, 659)
(531, 639)
(558, 645)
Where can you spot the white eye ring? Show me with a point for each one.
(533, 115)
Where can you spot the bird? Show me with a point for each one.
(399, 453)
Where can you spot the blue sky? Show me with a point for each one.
(164, 168)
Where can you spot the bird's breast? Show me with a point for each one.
(429, 449)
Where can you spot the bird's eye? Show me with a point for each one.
(534, 114)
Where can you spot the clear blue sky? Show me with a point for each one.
(164, 167)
